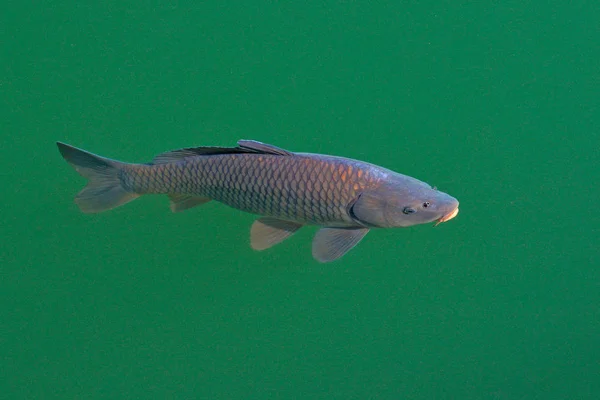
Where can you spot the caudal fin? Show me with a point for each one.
(104, 189)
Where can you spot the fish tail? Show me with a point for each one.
(105, 189)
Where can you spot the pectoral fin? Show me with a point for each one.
(267, 232)
(331, 243)
(180, 202)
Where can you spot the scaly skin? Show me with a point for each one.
(305, 188)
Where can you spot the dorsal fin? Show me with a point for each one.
(180, 154)
(263, 148)
(244, 146)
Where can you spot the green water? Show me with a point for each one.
(495, 103)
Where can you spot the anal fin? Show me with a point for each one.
(181, 202)
(331, 243)
(267, 232)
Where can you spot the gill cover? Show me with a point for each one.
(369, 210)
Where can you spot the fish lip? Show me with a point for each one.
(447, 217)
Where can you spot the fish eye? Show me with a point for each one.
(408, 210)
(426, 204)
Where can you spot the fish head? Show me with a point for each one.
(402, 202)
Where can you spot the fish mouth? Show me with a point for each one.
(447, 217)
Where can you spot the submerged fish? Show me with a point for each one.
(344, 197)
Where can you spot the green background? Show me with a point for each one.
(496, 103)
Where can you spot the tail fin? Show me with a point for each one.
(104, 189)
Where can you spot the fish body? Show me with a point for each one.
(344, 197)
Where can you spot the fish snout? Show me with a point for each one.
(449, 215)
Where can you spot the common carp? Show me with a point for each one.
(344, 197)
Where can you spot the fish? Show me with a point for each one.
(344, 198)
